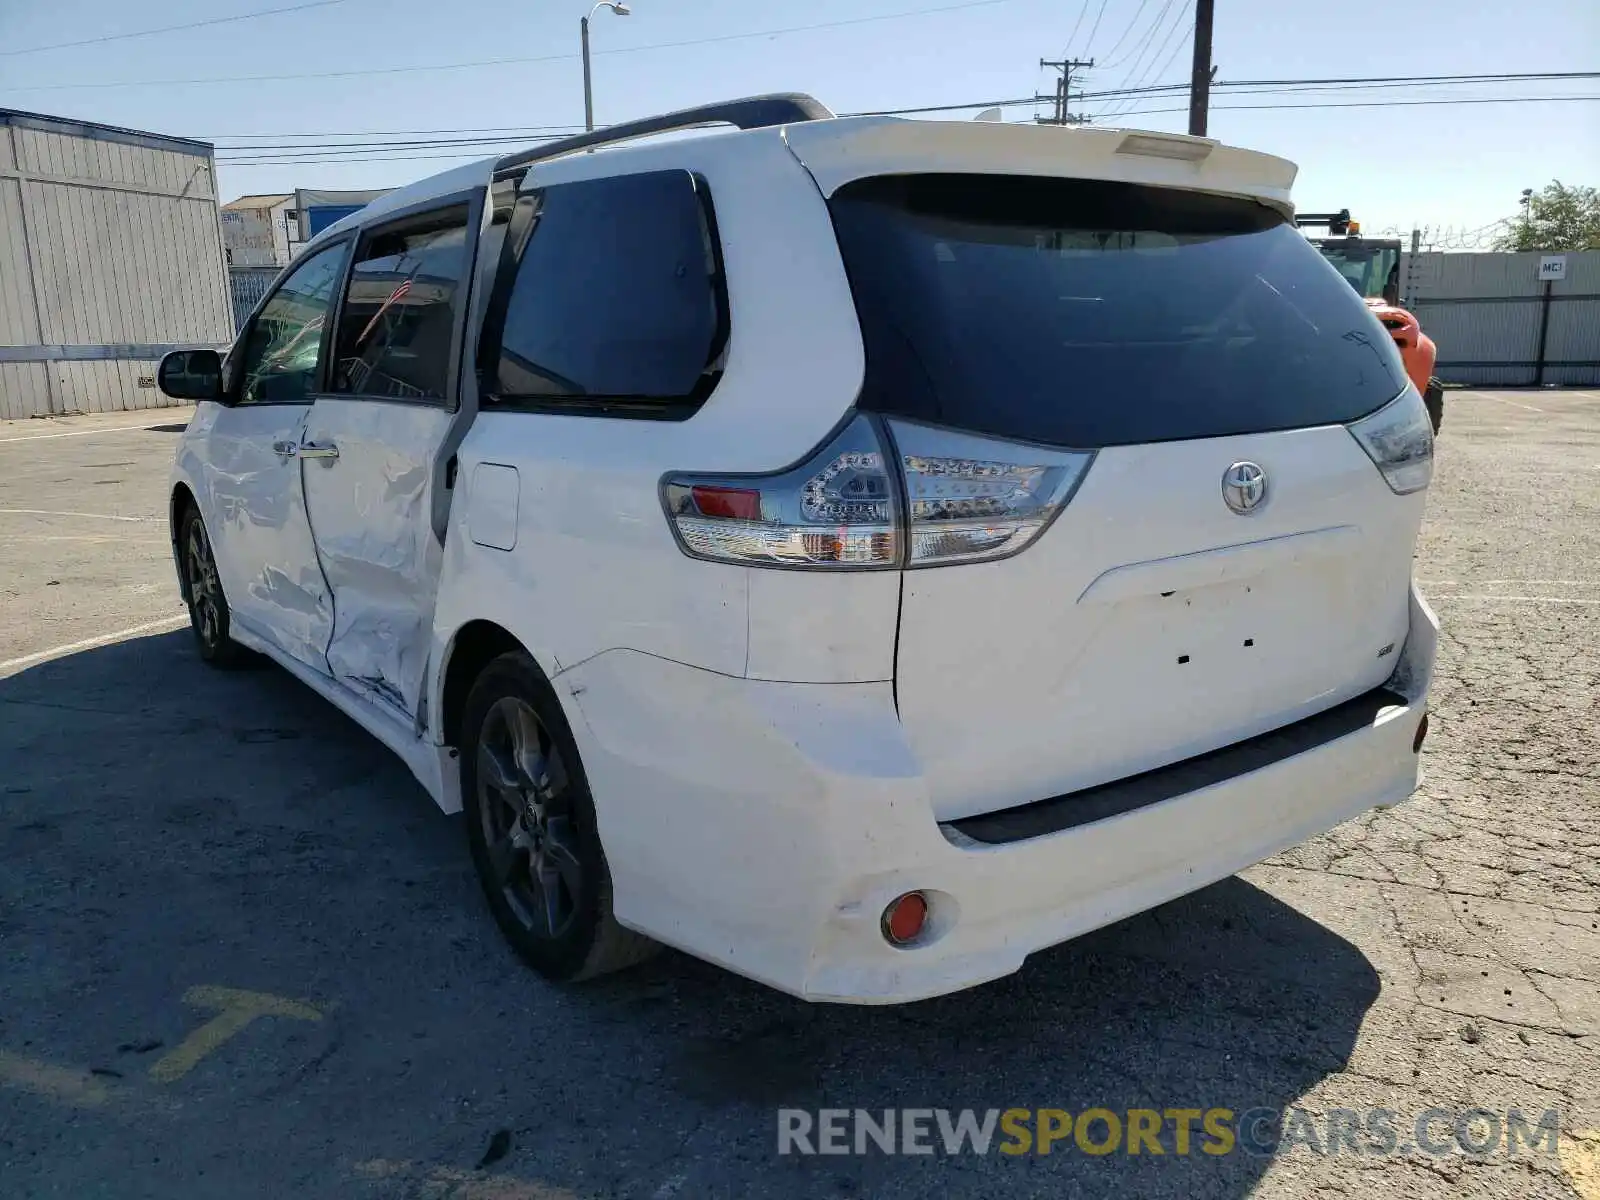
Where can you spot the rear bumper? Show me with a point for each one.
(764, 826)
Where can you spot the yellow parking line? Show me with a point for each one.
(1580, 1155)
(236, 1009)
(77, 1088)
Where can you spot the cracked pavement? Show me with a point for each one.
(170, 834)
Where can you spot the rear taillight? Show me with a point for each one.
(966, 499)
(971, 498)
(840, 508)
(1399, 440)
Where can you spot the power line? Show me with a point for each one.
(1278, 84)
(1328, 104)
(1499, 77)
(1117, 45)
(510, 135)
(219, 137)
(1095, 28)
(1265, 86)
(1083, 11)
(519, 61)
(1150, 49)
(1152, 70)
(318, 152)
(1141, 112)
(139, 33)
(331, 156)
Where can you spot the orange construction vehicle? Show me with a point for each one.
(1372, 267)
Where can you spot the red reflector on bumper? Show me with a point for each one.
(904, 917)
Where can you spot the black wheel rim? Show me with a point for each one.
(205, 590)
(524, 805)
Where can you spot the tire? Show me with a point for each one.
(532, 831)
(1433, 398)
(209, 616)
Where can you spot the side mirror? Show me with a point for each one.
(191, 375)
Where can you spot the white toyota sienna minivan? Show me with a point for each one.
(859, 552)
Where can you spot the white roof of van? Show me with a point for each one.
(839, 150)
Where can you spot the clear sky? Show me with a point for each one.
(1450, 166)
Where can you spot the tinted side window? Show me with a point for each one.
(399, 315)
(279, 358)
(617, 299)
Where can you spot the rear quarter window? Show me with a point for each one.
(617, 304)
(1083, 313)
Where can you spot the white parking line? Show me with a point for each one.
(166, 623)
(46, 512)
(1520, 599)
(1497, 582)
(151, 539)
(1513, 403)
(39, 437)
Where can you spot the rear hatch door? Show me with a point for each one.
(1230, 560)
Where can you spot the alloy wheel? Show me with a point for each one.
(205, 589)
(527, 817)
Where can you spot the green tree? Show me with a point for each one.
(1558, 218)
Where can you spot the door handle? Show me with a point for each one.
(313, 450)
(284, 449)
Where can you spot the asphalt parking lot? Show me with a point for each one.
(242, 954)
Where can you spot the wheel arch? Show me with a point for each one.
(471, 648)
(182, 499)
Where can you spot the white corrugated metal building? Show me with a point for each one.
(110, 255)
(256, 231)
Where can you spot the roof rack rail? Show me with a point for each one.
(751, 112)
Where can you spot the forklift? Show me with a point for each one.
(1372, 267)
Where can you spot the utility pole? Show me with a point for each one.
(1062, 100)
(1200, 77)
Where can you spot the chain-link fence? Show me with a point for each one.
(248, 285)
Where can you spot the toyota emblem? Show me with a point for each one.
(1244, 487)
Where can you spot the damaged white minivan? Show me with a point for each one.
(858, 552)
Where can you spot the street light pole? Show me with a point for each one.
(621, 9)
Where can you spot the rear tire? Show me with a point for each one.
(209, 615)
(532, 831)
(1433, 398)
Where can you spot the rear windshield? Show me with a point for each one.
(1082, 313)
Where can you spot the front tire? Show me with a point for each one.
(209, 616)
(532, 831)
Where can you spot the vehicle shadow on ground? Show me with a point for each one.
(163, 826)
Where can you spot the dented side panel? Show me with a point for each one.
(369, 509)
(246, 478)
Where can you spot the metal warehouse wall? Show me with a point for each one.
(1484, 312)
(110, 255)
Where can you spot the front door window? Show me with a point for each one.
(281, 356)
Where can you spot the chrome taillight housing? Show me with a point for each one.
(1399, 440)
(899, 494)
(970, 498)
(838, 509)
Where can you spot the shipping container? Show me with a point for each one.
(110, 255)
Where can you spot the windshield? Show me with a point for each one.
(1083, 313)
